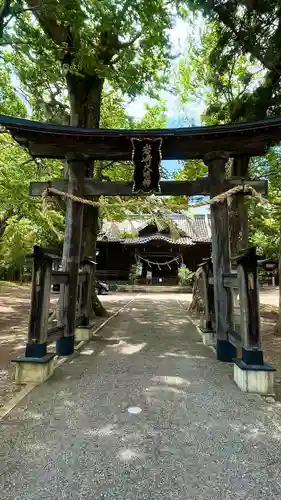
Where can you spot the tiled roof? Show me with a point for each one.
(193, 229)
(156, 237)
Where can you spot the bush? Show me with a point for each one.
(185, 275)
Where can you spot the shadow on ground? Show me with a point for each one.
(197, 436)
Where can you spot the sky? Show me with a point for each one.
(177, 114)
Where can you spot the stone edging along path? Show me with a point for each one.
(15, 400)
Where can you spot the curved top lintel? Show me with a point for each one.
(55, 141)
(11, 122)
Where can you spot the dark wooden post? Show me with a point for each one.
(220, 255)
(207, 268)
(79, 303)
(87, 290)
(40, 301)
(247, 273)
(238, 220)
(77, 164)
(238, 216)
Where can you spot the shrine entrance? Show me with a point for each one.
(215, 145)
(158, 268)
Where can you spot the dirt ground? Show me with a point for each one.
(14, 310)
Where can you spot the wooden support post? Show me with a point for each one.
(40, 301)
(220, 255)
(247, 272)
(207, 268)
(36, 365)
(85, 330)
(238, 213)
(71, 252)
(87, 291)
(251, 373)
(238, 221)
(207, 331)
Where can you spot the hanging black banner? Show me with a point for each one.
(146, 157)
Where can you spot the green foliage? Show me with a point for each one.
(154, 117)
(221, 76)
(10, 102)
(21, 217)
(113, 51)
(124, 234)
(191, 170)
(185, 276)
(19, 238)
(124, 44)
(133, 274)
(239, 62)
(265, 220)
(22, 221)
(235, 69)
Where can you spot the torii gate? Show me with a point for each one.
(213, 144)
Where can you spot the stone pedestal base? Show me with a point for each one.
(84, 332)
(34, 370)
(258, 379)
(208, 337)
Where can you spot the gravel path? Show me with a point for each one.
(197, 436)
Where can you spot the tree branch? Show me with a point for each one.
(123, 11)
(5, 10)
(242, 36)
(49, 23)
(132, 41)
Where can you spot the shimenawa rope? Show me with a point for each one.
(247, 190)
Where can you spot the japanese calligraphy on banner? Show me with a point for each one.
(147, 157)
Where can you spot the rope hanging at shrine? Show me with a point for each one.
(247, 190)
(160, 264)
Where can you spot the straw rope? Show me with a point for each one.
(220, 198)
(243, 189)
(246, 190)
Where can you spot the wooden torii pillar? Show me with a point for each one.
(77, 164)
(216, 162)
(239, 224)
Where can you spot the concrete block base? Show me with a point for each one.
(254, 379)
(208, 337)
(34, 370)
(84, 332)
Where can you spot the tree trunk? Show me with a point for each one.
(85, 105)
